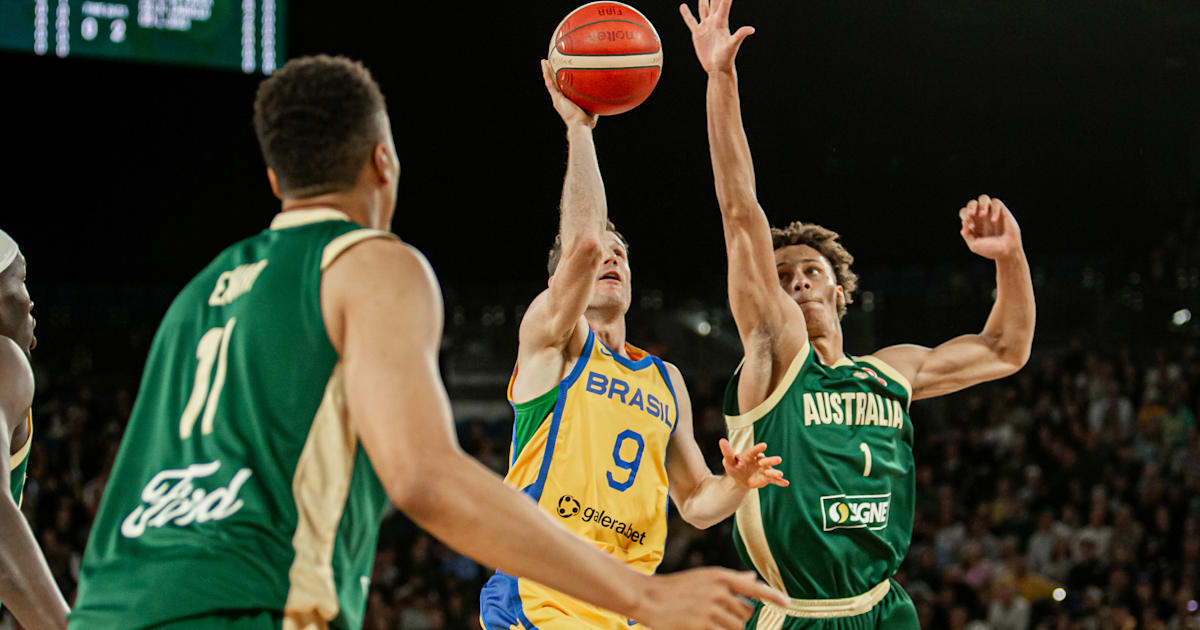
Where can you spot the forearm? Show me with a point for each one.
(733, 169)
(472, 511)
(712, 501)
(26, 586)
(584, 207)
(1010, 324)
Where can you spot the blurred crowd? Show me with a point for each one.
(1065, 497)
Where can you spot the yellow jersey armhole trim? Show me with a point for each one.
(15, 459)
(339, 245)
(892, 373)
(750, 417)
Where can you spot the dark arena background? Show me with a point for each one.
(1064, 497)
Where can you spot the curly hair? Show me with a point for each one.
(825, 241)
(317, 120)
(556, 250)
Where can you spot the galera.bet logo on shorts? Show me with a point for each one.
(856, 511)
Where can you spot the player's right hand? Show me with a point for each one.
(571, 113)
(701, 599)
(715, 46)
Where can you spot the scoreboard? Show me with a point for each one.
(246, 35)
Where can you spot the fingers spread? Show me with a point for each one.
(702, 6)
(726, 448)
(743, 33)
(688, 18)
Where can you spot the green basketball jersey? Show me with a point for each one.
(845, 523)
(240, 483)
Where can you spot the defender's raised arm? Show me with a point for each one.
(771, 325)
(1004, 344)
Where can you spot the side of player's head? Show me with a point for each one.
(556, 250)
(826, 242)
(318, 119)
(16, 320)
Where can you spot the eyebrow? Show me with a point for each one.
(802, 260)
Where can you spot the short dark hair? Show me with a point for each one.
(825, 241)
(556, 250)
(316, 122)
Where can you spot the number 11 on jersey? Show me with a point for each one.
(213, 347)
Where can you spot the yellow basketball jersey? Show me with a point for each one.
(591, 452)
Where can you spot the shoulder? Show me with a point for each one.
(16, 378)
(373, 260)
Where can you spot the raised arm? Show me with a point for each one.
(384, 313)
(26, 585)
(771, 325)
(1004, 344)
(557, 313)
(705, 499)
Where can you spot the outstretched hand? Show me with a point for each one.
(750, 468)
(989, 228)
(715, 46)
(571, 113)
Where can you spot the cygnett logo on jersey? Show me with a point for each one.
(841, 511)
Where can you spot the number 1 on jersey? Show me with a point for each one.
(213, 347)
(862, 446)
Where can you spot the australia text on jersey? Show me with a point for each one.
(852, 408)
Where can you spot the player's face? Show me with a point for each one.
(613, 280)
(16, 309)
(808, 278)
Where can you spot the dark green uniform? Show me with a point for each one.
(240, 490)
(834, 537)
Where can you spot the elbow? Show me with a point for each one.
(413, 490)
(586, 250)
(698, 522)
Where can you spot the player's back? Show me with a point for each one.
(240, 483)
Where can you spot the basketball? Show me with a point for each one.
(606, 57)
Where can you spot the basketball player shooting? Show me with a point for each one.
(840, 423)
(600, 425)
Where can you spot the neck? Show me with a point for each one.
(354, 205)
(827, 342)
(609, 327)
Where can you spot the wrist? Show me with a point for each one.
(723, 73)
(640, 602)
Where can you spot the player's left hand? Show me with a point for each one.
(989, 228)
(750, 468)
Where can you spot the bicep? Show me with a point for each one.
(760, 306)
(554, 315)
(392, 310)
(685, 462)
(956, 364)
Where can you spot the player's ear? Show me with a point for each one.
(274, 184)
(840, 298)
(549, 281)
(384, 163)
